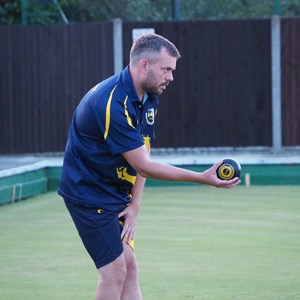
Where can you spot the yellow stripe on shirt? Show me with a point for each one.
(147, 141)
(129, 121)
(107, 114)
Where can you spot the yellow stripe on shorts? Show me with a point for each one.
(131, 244)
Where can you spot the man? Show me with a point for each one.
(107, 159)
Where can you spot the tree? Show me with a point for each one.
(47, 11)
(34, 12)
(10, 12)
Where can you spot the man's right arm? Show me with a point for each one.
(140, 160)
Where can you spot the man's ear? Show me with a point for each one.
(144, 64)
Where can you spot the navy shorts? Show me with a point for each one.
(100, 232)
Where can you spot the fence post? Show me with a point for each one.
(276, 84)
(118, 45)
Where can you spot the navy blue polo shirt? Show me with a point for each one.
(109, 120)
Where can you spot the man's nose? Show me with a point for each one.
(170, 77)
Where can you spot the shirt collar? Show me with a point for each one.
(145, 98)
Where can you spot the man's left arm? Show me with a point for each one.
(131, 212)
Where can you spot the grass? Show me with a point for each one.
(193, 242)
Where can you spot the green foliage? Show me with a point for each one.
(130, 10)
(47, 12)
(10, 12)
(220, 9)
(36, 12)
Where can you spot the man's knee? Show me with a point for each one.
(131, 265)
(131, 269)
(114, 273)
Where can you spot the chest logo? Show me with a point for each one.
(150, 116)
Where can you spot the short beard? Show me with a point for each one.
(149, 84)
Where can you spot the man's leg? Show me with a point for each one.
(131, 290)
(111, 279)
